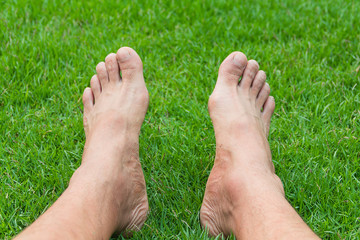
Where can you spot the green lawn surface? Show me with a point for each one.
(310, 51)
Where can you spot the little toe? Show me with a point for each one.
(112, 68)
(258, 83)
(88, 100)
(102, 75)
(130, 65)
(250, 72)
(95, 86)
(263, 96)
(231, 69)
(267, 113)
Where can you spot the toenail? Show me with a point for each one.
(238, 60)
(124, 54)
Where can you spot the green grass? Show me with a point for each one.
(310, 51)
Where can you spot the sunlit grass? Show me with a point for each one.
(309, 49)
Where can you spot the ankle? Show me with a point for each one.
(247, 182)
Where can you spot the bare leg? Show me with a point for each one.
(243, 195)
(107, 192)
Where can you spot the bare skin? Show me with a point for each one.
(243, 194)
(107, 192)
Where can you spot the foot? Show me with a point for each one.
(241, 113)
(114, 110)
(107, 192)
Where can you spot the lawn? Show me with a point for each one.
(310, 51)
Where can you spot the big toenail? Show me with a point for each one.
(124, 55)
(238, 60)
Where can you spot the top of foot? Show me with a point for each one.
(114, 110)
(112, 96)
(240, 109)
(245, 102)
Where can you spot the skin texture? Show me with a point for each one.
(107, 193)
(243, 194)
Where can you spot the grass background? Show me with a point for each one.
(309, 50)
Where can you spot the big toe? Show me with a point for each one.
(130, 65)
(231, 69)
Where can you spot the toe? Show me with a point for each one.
(250, 72)
(258, 83)
(231, 69)
(112, 68)
(102, 75)
(130, 65)
(269, 107)
(88, 100)
(263, 96)
(95, 86)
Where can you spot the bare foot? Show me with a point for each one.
(114, 110)
(107, 193)
(243, 179)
